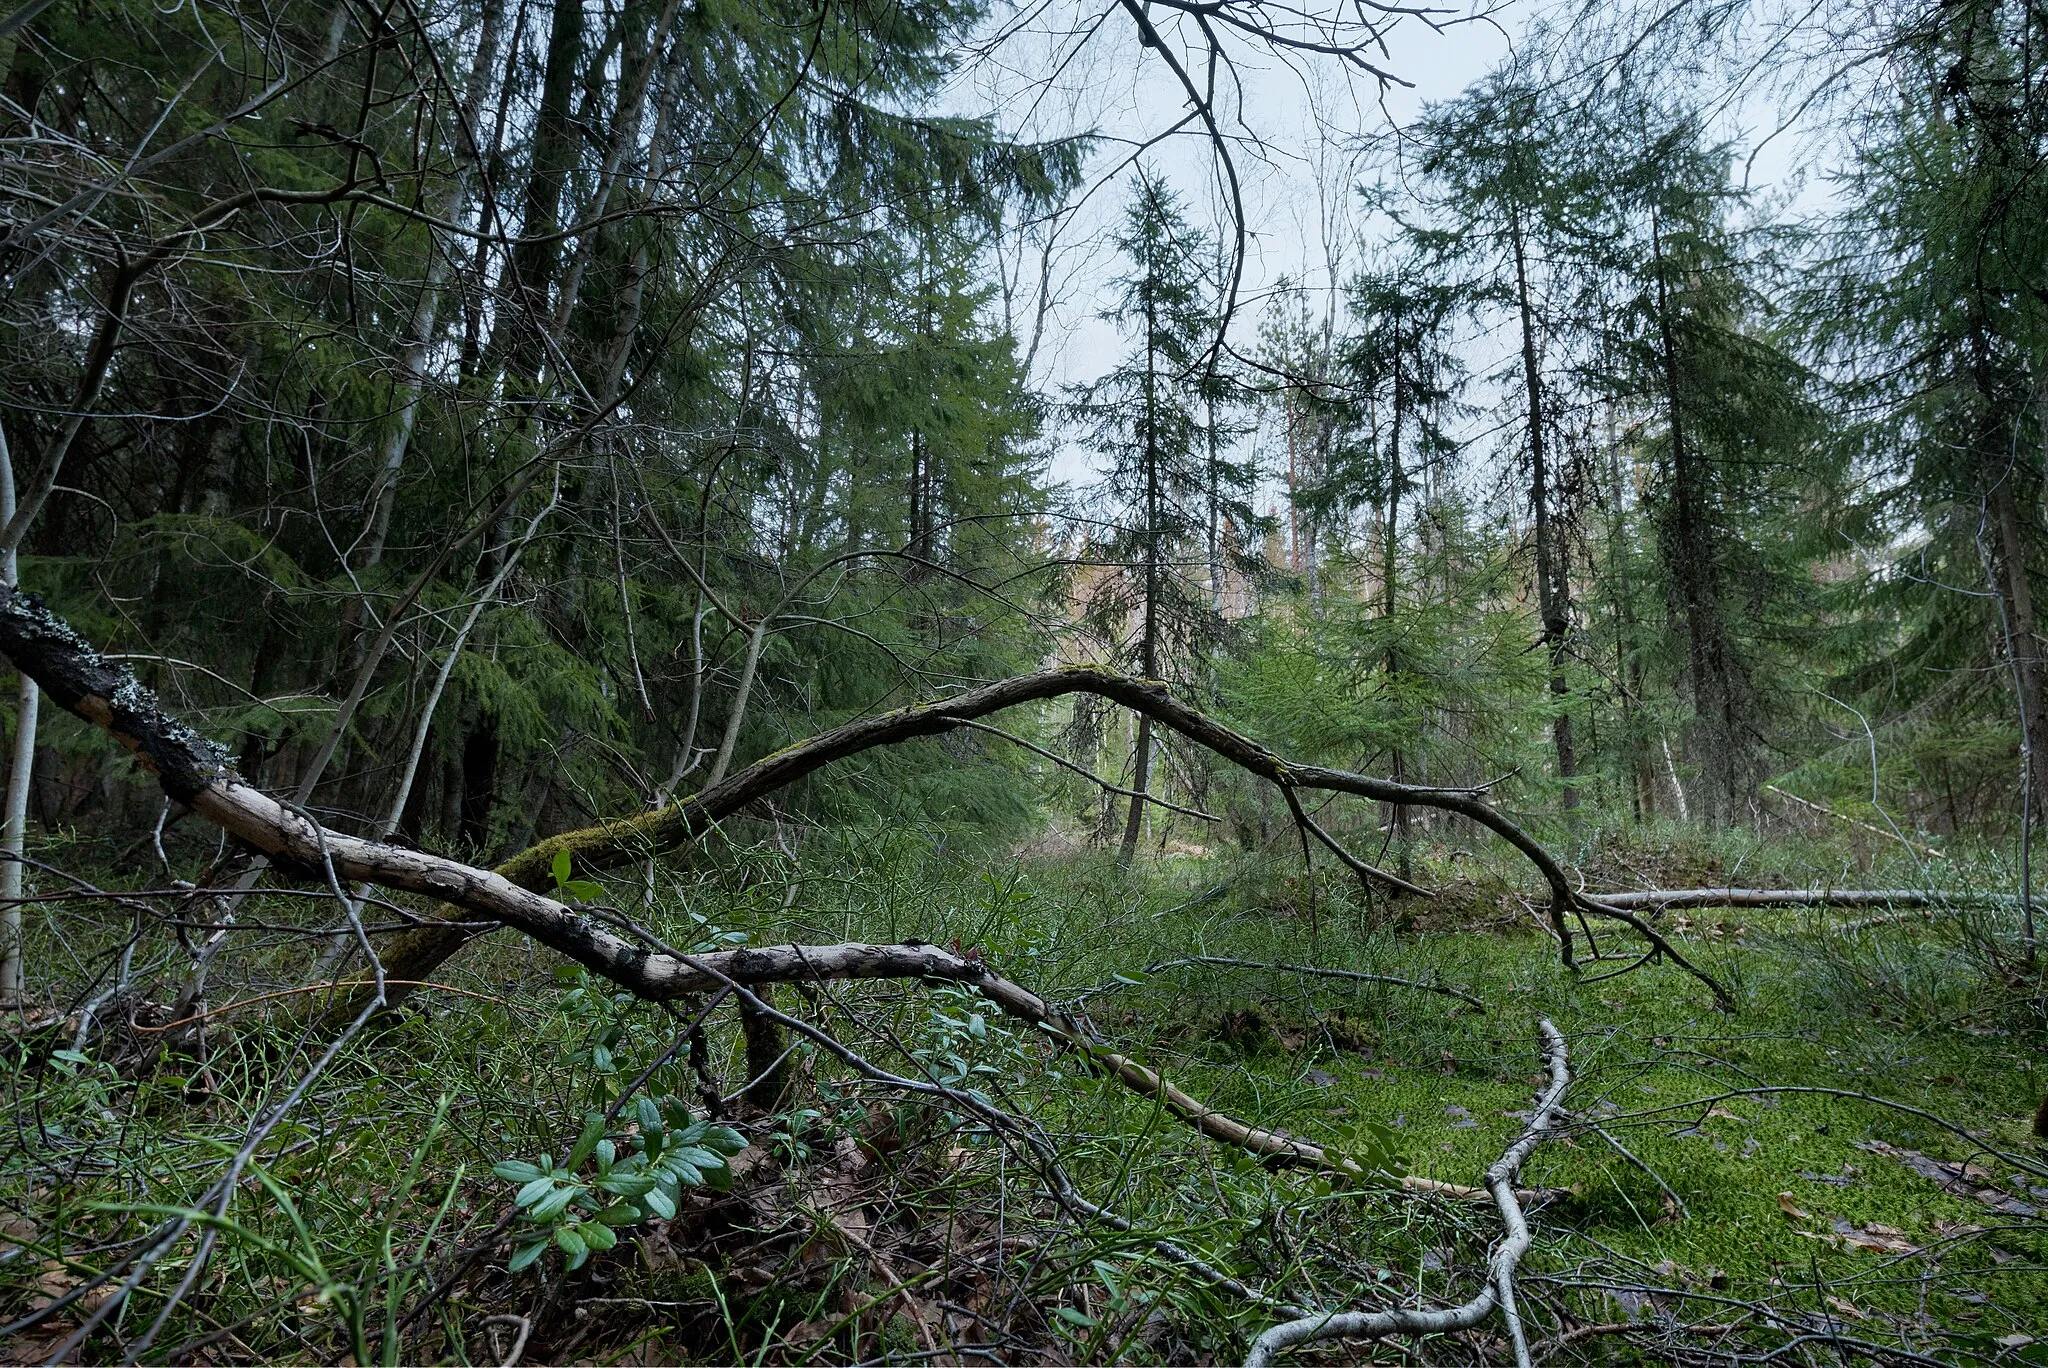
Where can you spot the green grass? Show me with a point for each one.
(1911, 1012)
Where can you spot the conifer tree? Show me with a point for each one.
(1507, 198)
(1161, 485)
(1403, 379)
(1932, 316)
(1727, 421)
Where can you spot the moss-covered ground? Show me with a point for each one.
(1699, 1203)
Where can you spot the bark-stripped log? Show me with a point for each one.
(196, 772)
(1665, 899)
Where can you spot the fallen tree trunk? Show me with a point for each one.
(198, 773)
(1665, 899)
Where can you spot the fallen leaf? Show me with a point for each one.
(1790, 1208)
(1846, 1309)
(51, 1283)
(1725, 1114)
(1878, 1239)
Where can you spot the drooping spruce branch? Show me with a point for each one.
(197, 773)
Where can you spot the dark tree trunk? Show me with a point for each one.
(1397, 813)
(1553, 589)
(479, 783)
(1148, 647)
(1688, 543)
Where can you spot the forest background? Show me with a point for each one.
(508, 430)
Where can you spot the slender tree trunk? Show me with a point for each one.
(555, 151)
(2026, 640)
(1689, 554)
(1390, 535)
(1553, 595)
(1628, 664)
(1215, 491)
(1293, 503)
(1148, 648)
(644, 55)
(20, 774)
(756, 639)
(418, 353)
(2008, 569)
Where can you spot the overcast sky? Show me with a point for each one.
(1299, 128)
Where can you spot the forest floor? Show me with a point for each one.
(1698, 1203)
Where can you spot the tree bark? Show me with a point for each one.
(1553, 592)
(419, 350)
(201, 775)
(1397, 813)
(14, 817)
(1689, 555)
(1148, 647)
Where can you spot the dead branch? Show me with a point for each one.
(1499, 1291)
(196, 772)
(1091, 776)
(1916, 847)
(1664, 899)
(1308, 970)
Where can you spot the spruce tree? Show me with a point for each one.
(1726, 421)
(1161, 485)
(1508, 202)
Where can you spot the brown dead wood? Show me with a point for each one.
(199, 774)
(196, 772)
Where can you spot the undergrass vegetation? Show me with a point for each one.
(1694, 1186)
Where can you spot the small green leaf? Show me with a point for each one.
(628, 1184)
(525, 1257)
(606, 1152)
(649, 1115)
(724, 1139)
(598, 1236)
(619, 1215)
(555, 1203)
(583, 890)
(561, 868)
(593, 1131)
(571, 1241)
(659, 1202)
(1073, 1317)
(536, 1188)
(515, 1170)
